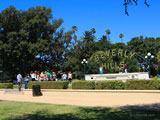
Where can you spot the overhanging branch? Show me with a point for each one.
(128, 2)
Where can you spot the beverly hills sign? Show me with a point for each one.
(112, 59)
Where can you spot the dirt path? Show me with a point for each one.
(86, 98)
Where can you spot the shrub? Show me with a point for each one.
(83, 84)
(143, 84)
(6, 85)
(111, 84)
(49, 84)
(155, 78)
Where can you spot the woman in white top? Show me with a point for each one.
(64, 77)
(33, 76)
(70, 77)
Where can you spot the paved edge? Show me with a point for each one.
(97, 91)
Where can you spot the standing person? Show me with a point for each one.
(45, 76)
(33, 76)
(19, 81)
(41, 76)
(36, 74)
(48, 75)
(101, 70)
(26, 79)
(70, 77)
(125, 68)
(59, 75)
(64, 76)
(53, 76)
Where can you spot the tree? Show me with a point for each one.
(158, 57)
(74, 28)
(108, 32)
(93, 30)
(128, 2)
(121, 36)
(26, 37)
(103, 44)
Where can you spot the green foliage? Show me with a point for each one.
(83, 84)
(143, 84)
(6, 85)
(33, 40)
(113, 84)
(155, 78)
(49, 84)
(25, 35)
(158, 57)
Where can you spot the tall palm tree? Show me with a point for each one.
(74, 28)
(108, 32)
(93, 30)
(121, 36)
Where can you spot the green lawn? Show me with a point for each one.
(37, 111)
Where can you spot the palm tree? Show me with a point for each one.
(75, 37)
(93, 30)
(74, 28)
(108, 32)
(121, 36)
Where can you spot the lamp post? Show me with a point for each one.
(84, 62)
(148, 57)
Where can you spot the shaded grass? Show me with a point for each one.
(39, 111)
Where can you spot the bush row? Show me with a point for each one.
(118, 84)
(142, 84)
(114, 84)
(6, 85)
(50, 84)
(83, 84)
(102, 85)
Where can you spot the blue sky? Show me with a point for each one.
(101, 15)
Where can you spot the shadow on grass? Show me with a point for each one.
(96, 113)
(154, 107)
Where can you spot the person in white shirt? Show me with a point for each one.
(33, 76)
(70, 77)
(19, 81)
(64, 77)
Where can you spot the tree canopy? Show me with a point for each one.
(29, 40)
(34, 40)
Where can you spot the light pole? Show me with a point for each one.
(148, 58)
(84, 62)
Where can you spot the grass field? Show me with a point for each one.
(37, 111)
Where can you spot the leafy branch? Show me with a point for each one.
(128, 2)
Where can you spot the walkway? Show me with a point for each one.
(87, 98)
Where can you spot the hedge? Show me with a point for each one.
(111, 84)
(6, 85)
(83, 84)
(49, 84)
(142, 84)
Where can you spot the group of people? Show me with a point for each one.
(43, 76)
(47, 76)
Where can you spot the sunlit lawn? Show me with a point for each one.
(38, 111)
